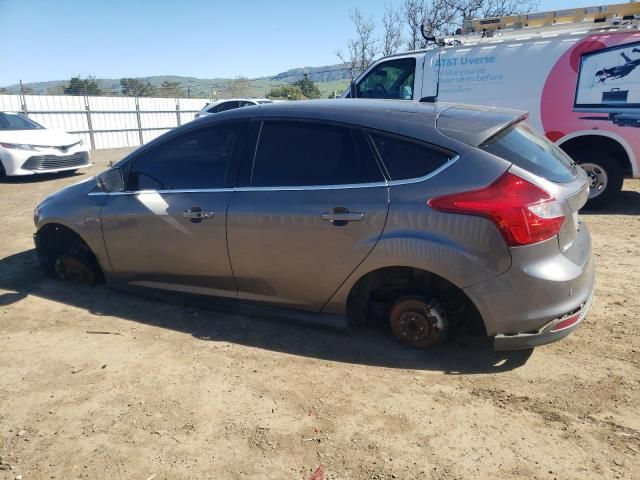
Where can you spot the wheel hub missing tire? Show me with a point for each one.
(72, 269)
(417, 322)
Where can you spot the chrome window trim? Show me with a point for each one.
(313, 187)
(432, 174)
(294, 188)
(188, 190)
(250, 189)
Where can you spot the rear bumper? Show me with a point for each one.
(544, 286)
(553, 331)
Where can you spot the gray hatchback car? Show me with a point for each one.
(424, 216)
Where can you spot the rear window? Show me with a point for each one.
(527, 149)
(405, 159)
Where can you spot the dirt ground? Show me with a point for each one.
(176, 392)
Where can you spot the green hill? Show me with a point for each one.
(329, 78)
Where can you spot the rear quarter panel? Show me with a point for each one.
(464, 250)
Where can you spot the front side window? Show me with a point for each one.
(308, 154)
(392, 80)
(197, 159)
(405, 159)
(14, 121)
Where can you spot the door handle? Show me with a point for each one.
(196, 214)
(340, 216)
(343, 217)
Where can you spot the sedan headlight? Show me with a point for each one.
(18, 146)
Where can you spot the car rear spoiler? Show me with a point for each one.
(474, 125)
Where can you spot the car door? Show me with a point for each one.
(313, 205)
(167, 230)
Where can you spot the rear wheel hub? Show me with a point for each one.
(417, 322)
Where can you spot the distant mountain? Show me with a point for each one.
(334, 76)
(328, 73)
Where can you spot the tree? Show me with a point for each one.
(392, 31)
(171, 89)
(56, 90)
(238, 87)
(135, 87)
(78, 86)
(286, 92)
(308, 87)
(414, 13)
(445, 17)
(363, 48)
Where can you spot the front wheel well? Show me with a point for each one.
(372, 296)
(54, 240)
(599, 143)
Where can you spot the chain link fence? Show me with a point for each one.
(106, 122)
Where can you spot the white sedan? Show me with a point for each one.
(230, 104)
(26, 148)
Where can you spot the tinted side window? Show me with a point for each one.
(245, 103)
(306, 154)
(393, 79)
(405, 159)
(523, 146)
(196, 159)
(227, 106)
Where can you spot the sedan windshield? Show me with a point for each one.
(14, 121)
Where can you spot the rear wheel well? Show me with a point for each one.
(55, 240)
(372, 296)
(599, 143)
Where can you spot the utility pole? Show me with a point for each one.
(23, 100)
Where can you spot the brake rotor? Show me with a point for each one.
(75, 270)
(418, 323)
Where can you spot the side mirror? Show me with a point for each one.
(111, 181)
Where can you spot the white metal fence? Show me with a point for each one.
(106, 122)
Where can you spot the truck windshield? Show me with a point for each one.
(521, 145)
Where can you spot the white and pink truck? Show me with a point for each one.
(580, 85)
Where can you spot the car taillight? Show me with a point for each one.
(523, 213)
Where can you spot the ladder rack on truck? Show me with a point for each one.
(574, 21)
(600, 16)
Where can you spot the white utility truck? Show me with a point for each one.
(577, 73)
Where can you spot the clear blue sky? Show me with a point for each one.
(57, 39)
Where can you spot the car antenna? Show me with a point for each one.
(434, 98)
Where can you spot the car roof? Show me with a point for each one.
(239, 99)
(410, 118)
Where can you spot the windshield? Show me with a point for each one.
(527, 149)
(14, 121)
